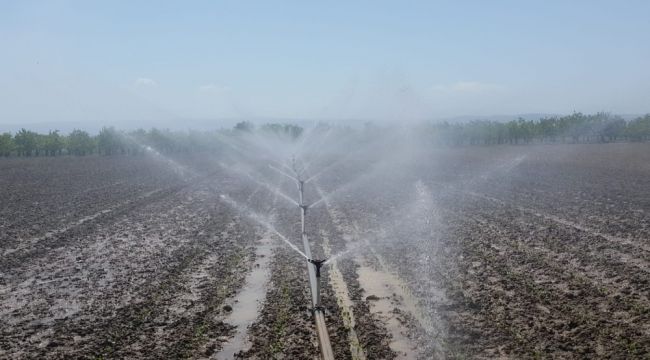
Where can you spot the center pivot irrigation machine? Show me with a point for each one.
(313, 265)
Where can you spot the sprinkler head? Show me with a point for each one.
(318, 264)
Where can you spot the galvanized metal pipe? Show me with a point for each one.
(313, 269)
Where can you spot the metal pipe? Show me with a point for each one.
(326, 351)
(307, 250)
(314, 280)
(317, 265)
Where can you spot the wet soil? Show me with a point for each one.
(514, 252)
(500, 252)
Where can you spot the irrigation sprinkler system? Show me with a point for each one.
(313, 265)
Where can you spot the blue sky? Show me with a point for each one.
(116, 61)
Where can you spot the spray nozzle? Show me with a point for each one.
(318, 264)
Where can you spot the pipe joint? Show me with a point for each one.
(318, 264)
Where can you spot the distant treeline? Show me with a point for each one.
(574, 128)
(110, 141)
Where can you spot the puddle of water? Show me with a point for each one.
(392, 292)
(246, 305)
(343, 299)
(383, 285)
(410, 301)
(399, 294)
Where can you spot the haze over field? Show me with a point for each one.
(84, 64)
(336, 180)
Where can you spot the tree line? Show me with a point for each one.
(573, 128)
(110, 141)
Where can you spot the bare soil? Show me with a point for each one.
(512, 252)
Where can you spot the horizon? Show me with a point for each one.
(227, 123)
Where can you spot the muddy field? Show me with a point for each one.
(512, 252)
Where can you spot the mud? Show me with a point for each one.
(512, 252)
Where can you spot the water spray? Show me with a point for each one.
(314, 266)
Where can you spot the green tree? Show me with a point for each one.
(26, 142)
(284, 130)
(80, 143)
(612, 129)
(52, 143)
(638, 129)
(7, 145)
(108, 141)
(246, 126)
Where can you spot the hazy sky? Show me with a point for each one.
(113, 61)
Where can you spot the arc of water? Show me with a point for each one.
(291, 169)
(284, 173)
(275, 190)
(317, 174)
(260, 220)
(174, 165)
(319, 200)
(268, 187)
(318, 145)
(303, 139)
(253, 153)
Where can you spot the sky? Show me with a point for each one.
(117, 62)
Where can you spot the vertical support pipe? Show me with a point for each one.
(317, 304)
(313, 268)
(305, 241)
(317, 264)
(301, 190)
